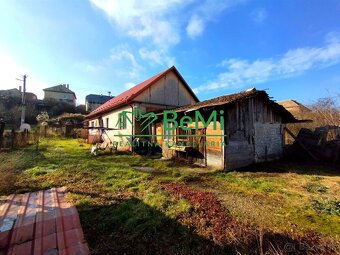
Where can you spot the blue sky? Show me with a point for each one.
(291, 47)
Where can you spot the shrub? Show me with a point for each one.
(316, 187)
(328, 206)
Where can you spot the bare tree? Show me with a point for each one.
(326, 111)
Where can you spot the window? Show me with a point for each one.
(92, 123)
(122, 121)
(107, 122)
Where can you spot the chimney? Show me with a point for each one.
(67, 86)
(20, 88)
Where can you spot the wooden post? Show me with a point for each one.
(36, 139)
(12, 138)
(2, 129)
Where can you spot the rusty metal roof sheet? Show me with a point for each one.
(40, 223)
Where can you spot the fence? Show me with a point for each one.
(12, 139)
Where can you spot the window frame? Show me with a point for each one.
(122, 121)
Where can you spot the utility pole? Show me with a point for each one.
(23, 101)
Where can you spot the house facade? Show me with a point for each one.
(245, 128)
(166, 90)
(17, 93)
(93, 101)
(61, 93)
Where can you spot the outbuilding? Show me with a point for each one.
(226, 132)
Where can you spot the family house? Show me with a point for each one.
(17, 93)
(245, 128)
(93, 101)
(61, 93)
(166, 90)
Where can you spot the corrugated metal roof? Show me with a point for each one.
(128, 95)
(40, 223)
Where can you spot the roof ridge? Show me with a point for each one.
(240, 94)
(133, 92)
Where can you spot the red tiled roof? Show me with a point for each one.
(128, 95)
(40, 223)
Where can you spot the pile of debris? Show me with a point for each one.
(322, 144)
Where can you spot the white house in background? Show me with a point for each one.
(61, 93)
(166, 90)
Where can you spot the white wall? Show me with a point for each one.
(112, 135)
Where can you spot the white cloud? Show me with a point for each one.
(206, 11)
(195, 27)
(11, 70)
(155, 57)
(259, 15)
(145, 19)
(121, 62)
(160, 23)
(122, 54)
(294, 62)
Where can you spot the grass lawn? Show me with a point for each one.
(130, 204)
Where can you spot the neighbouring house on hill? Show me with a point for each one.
(61, 93)
(166, 90)
(11, 93)
(93, 101)
(249, 129)
(31, 97)
(11, 106)
(16, 93)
